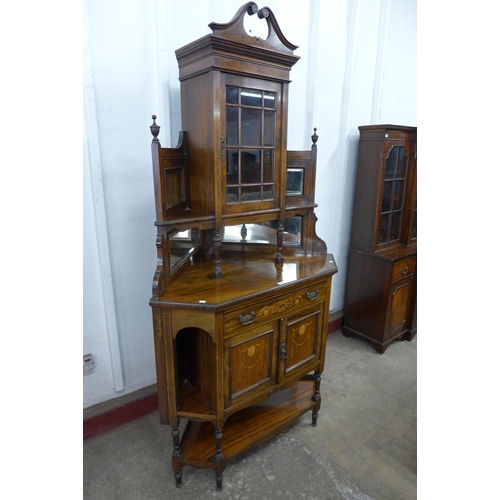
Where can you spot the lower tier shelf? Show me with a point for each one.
(247, 428)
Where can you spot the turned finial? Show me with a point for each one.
(315, 136)
(155, 129)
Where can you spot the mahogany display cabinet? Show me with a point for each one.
(381, 292)
(241, 292)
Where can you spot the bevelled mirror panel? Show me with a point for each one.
(294, 181)
(264, 233)
(182, 244)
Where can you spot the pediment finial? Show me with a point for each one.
(314, 137)
(155, 129)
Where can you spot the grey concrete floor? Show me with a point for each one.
(364, 446)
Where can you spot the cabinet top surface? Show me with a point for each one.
(393, 254)
(387, 132)
(387, 127)
(245, 276)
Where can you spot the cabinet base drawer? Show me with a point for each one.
(274, 308)
(403, 268)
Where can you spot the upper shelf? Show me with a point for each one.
(189, 217)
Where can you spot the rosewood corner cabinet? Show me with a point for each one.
(381, 298)
(241, 291)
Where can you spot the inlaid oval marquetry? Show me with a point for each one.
(297, 334)
(250, 364)
(254, 351)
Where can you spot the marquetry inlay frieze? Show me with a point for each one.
(282, 305)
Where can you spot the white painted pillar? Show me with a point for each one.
(94, 155)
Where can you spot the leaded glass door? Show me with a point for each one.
(393, 195)
(251, 144)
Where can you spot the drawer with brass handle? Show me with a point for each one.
(403, 268)
(274, 307)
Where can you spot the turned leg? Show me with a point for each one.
(219, 459)
(178, 478)
(279, 236)
(314, 418)
(217, 243)
(316, 398)
(176, 454)
(218, 481)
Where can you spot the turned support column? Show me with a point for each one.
(279, 237)
(218, 458)
(316, 398)
(217, 245)
(176, 454)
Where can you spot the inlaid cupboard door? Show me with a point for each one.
(399, 306)
(250, 363)
(300, 342)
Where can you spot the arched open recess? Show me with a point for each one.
(195, 358)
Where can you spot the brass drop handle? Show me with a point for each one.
(405, 270)
(246, 319)
(312, 295)
(283, 351)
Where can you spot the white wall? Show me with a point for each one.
(357, 67)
